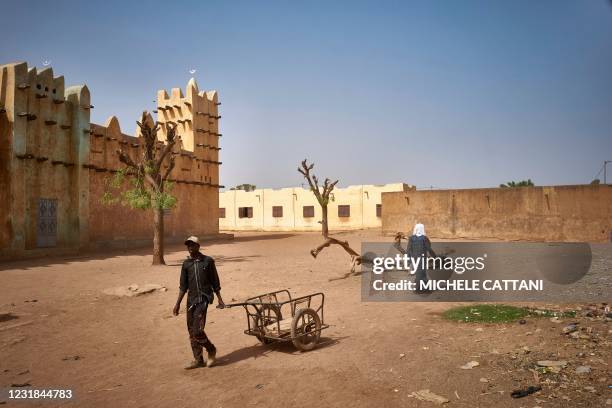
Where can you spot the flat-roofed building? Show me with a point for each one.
(297, 209)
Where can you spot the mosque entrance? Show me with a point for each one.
(46, 231)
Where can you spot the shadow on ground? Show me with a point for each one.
(101, 254)
(265, 237)
(221, 260)
(259, 350)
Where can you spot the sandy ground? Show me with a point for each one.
(130, 352)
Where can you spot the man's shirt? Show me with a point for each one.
(199, 279)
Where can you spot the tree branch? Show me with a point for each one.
(127, 160)
(153, 182)
(168, 169)
(305, 170)
(170, 142)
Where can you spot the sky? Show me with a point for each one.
(437, 94)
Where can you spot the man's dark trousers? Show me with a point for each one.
(196, 320)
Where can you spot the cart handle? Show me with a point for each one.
(230, 305)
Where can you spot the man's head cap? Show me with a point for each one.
(193, 239)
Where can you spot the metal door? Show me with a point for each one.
(46, 233)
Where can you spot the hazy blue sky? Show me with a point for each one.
(442, 93)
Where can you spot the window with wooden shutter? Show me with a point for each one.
(308, 211)
(379, 210)
(221, 212)
(277, 211)
(245, 212)
(344, 211)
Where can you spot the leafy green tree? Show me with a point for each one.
(146, 178)
(245, 187)
(522, 183)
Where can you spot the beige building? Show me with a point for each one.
(296, 209)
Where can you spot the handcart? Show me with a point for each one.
(277, 317)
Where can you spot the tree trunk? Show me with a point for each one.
(158, 237)
(324, 227)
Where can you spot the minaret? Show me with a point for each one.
(196, 118)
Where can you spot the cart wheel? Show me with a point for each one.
(268, 314)
(305, 329)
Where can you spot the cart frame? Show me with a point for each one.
(265, 317)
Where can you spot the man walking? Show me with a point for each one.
(199, 279)
(419, 246)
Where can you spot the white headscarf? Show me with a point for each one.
(419, 230)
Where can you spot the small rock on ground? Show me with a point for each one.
(583, 370)
(469, 365)
(134, 290)
(426, 395)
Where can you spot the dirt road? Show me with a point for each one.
(60, 331)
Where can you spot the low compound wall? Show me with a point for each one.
(556, 213)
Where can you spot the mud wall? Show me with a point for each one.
(54, 164)
(557, 213)
(115, 224)
(6, 98)
(44, 129)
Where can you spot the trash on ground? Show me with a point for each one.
(525, 391)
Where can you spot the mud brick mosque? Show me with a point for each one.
(54, 163)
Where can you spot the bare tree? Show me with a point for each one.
(322, 195)
(149, 175)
